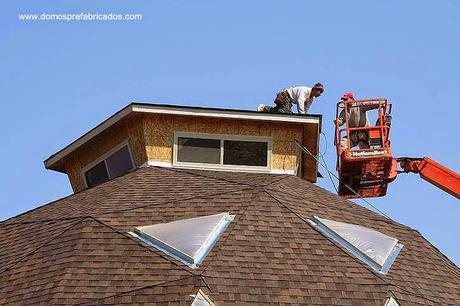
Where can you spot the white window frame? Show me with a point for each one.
(357, 253)
(221, 166)
(104, 157)
(206, 248)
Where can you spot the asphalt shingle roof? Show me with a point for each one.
(77, 251)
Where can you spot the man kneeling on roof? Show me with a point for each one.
(302, 96)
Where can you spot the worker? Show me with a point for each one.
(302, 96)
(357, 117)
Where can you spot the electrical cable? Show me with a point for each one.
(324, 161)
(325, 143)
(329, 173)
(303, 148)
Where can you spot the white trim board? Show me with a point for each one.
(177, 110)
(219, 113)
(154, 163)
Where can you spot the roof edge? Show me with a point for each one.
(141, 107)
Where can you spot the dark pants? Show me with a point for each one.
(283, 103)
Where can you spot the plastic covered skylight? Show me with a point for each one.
(188, 240)
(374, 248)
(201, 299)
(391, 302)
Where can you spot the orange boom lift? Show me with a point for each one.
(367, 172)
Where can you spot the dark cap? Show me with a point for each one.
(318, 86)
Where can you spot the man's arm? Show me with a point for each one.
(301, 101)
(341, 118)
(301, 107)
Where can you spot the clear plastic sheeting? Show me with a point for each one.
(391, 302)
(374, 244)
(376, 249)
(189, 240)
(202, 299)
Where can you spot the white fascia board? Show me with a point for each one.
(88, 136)
(216, 113)
(175, 110)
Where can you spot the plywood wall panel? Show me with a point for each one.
(310, 140)
(135, 129)
(130, 129)
(151, 138)
(74, 173)
(159, 131)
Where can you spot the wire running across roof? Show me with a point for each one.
(188, 240)
(268, 255)
(370, 246)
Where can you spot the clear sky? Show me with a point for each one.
(59, 79)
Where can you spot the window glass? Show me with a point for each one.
(247, 153)
(119, 162)
(198, 150)
(96, 175)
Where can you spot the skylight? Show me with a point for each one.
(370, 246)
(390, 302)
(188, 240)
(201, 299)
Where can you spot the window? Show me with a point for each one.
(111, 165)
(222, 151)
(370, 246)
(97, 175)
(198, 150)
(246, 153)
(188, 240)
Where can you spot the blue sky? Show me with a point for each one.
(59, 79)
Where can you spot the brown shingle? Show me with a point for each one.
(76, 250)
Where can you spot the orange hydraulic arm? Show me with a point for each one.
(433, 172)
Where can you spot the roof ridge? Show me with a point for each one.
(56, 289)
(127, 209)
(330, 240)
(440, 254)
(385, 281)
(137, 289)
(44, 221)
(150, 249)
(381, 218)
(228, 233)
(72, 195)
(42, 245)
(408, 292)
(6, 223)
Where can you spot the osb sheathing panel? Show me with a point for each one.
(130, 128)
(310, 140)
(135, 129)
(159, 135)
(151, 138)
